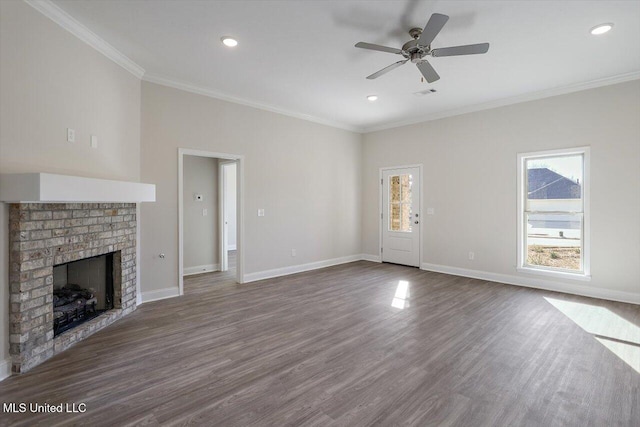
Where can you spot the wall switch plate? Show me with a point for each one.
(71, 135)
(204, 212)
(431, 211)
(260, 212)
(94, 141)
(198, 197)
(472, 256)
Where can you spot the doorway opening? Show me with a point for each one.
(210, 217)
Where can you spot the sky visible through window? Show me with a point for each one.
(569, 166)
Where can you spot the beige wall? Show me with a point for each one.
(306, 176)
(200, 232)
(470, 179)
(50, 80)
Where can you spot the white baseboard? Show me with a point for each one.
(372, 258)
(188, 271)
(160, 294)
(5, 369)
(277, 272)
(530, 282)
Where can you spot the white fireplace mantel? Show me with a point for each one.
(53, 188)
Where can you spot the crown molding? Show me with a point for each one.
(187, 87)
(533, 96)
(66, 21)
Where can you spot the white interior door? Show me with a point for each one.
(401, 216)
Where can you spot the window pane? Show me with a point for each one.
(394, 216)
(400, 203)
(405, 186)
(554, 240)
(406, 217)
(555, 184)
(394, 189)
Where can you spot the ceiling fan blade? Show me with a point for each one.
(428, 71)
(372, 46)
(433, 27)
(469, 49)
(386, 70)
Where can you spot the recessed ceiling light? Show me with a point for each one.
(229, 41)
(372, 98)
(601, 29)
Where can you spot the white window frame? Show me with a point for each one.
(522, 266)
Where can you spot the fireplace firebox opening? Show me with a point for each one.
(82, 290)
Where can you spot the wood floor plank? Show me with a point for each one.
(329, 347)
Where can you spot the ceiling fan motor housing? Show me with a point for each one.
(417, 57)
(412, 50)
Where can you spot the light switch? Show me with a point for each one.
(204, 212)
(260, 212)
(71, 135)
(94, 141)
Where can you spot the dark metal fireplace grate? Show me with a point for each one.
(74, 305)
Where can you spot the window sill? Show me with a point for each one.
(558, 274)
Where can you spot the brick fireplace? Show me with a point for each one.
(43, 235)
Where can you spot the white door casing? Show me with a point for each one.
(400, 215)
(224, 201)
(239, 159)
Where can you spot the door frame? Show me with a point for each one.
(381, 208)
(223, 231)
(239, 211)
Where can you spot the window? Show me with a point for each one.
(553, 214)
(400, 202)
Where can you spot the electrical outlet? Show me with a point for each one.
(260, 212)
(293, 252)
(204, 212)
(71, 135)
(472, 256)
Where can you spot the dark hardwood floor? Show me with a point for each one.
(346, 345)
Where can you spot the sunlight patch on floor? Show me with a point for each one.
(616, 333)
(400, 299)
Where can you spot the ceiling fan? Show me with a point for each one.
(417, 49)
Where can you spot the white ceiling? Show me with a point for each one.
(299, 56)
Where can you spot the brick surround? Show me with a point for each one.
(43, 235)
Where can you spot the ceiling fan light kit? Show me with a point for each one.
(420, 47)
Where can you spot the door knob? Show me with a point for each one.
(417, 222)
